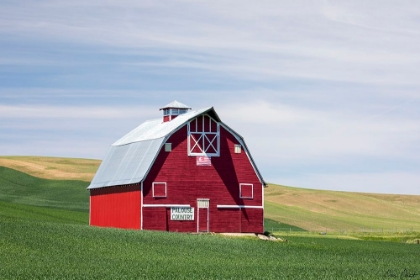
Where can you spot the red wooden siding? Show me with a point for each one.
(219, 182)
(117, 207)
(158, 218)
(227, 219)
(238, 220)
(251, 219)
(155, 218)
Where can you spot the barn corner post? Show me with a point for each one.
(186, 171)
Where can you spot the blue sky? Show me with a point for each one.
(325, 93)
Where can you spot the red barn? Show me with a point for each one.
(186, 172)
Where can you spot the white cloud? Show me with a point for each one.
(389, 182)
(300, 135)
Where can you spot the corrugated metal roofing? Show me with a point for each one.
(130, 158)
(154, 129)
(126, 164)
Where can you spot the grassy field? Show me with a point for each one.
(45, 235)
(317, 210)
(47, 250)
(21, 188)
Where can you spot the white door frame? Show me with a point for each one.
(203, 203)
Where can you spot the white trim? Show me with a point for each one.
(263, 203)
(166, 205)
(153, 189)
(240, 206)
(237, 148)
(90, 208)
(240, 191)
(141, 208)
(208, 214)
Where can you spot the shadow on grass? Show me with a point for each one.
(272, 225)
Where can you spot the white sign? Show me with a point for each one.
(182, 214)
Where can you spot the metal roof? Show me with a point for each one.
(126, 164)
(176, 104)
(154, 129)
(129, 159)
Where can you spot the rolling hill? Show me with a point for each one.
(62, 182)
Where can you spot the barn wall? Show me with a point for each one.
(219, 182)
(227, 219)
(158, 218)
(117, 207)
(251, 220)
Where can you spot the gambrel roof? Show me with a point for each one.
(129, 160)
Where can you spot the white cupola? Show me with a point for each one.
(174, 109)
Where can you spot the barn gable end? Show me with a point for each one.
(193, 174)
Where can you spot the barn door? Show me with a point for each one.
(203, 215)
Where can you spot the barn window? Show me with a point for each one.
(203, 203)
(174, 111)
(168, 147)
(238, 149)
(203, 137)
(159, 189)
(246, 191)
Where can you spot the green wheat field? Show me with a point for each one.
(45, 234)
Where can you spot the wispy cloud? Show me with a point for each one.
(323, 40)
(72, 112)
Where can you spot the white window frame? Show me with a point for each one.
(238, 148)
(161, 183)
(168, 147)
(214, 135)
(240, 191)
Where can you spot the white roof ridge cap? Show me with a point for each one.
(138, 141)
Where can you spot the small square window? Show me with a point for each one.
(159, 189)
(168, 147)
(246, 191)
(238, 149)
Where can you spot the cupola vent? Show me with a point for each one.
(174, 109)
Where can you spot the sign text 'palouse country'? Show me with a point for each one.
(182, 214)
